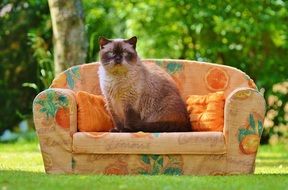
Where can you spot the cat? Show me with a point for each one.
(140, 97)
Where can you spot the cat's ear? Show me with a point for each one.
(103, 41)
(132, 41)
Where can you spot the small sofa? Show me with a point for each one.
(231, 151)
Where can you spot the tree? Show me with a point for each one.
(69, 33)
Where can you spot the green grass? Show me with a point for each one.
(21, 167)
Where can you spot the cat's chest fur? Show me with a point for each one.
(119, 91)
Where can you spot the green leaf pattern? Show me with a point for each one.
(173, 68)
(252, 130)
(243, 133)
(145, 159)
(252, 122)
(172, 171)
(156, 135)
(52, 103)
(72, 74)
(170, 67)
(260, 128)
(155, 164)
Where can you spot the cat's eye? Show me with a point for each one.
(110, 54)
(126, 54)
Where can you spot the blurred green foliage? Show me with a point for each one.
(249, 35)
(18, 19)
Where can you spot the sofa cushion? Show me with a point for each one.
(206, 111)
(149, 143)
(92, 115)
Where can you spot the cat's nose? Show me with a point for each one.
(118, 59)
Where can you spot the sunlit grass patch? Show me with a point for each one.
(21, 167)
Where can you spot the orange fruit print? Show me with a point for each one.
(216, 79)
(117, 168)
(249, 144)
(249, 137)
(56, 108)
(62, 117)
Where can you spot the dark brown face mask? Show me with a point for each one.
(117, 51)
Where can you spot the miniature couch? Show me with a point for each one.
(231, 151)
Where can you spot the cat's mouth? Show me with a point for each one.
(118, 60)
(112, 64)
(118, 69)
(117, 63)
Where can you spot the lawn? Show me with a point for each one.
(21, 167)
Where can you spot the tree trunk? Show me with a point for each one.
(68, 32)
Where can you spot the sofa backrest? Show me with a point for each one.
(192, 77)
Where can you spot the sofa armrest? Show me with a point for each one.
(55, 119)
(243, 125)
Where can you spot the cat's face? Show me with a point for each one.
(118, 52)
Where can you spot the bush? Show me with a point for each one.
(18, 65)
(251, 36)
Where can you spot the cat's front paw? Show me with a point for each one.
(128, 129)
(132, 115)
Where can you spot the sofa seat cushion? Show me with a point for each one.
(149, 143)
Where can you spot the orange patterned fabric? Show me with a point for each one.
(216, 79)
(149, 143)
(92, 115)
(64, 150)
(206, 111)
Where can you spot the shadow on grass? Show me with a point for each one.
(13, 179)
(269, 164)
(43, 174)
(273, 157)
